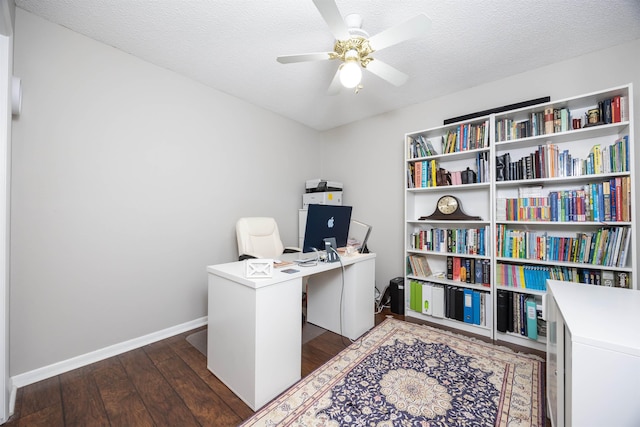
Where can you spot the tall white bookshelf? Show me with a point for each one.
(442, 242)
(544, 202)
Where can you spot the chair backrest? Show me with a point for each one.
(259, 237)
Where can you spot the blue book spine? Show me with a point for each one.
(468, 306)
(476, 307)
(425, 175)
(612, 189)
(532, 322)
(553, 201)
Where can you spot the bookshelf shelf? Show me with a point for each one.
(546, 177)
(578, 179)
(446, 253)
(579, 224)
(571, 135)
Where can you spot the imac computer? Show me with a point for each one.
(326, 222)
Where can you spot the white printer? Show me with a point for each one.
(322, 192)
(322, 185)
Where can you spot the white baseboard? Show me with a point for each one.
(58, 368)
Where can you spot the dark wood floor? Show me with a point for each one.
(162, 384)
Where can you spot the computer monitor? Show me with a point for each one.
(359, 235)
(323, 222)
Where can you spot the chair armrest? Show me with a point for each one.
(291, 250)
(246, 256)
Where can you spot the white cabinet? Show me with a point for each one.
(593, 355)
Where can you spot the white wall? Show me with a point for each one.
(372, 151)
(127, 182)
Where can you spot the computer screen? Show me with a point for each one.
(326, 221)
(359, 235)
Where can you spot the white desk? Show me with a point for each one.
(255, 325)
(593, 355)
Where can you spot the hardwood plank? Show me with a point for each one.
(161, 400)
(207, 407)
(121, 400)
(41, 395)
(198, 363)
(81, 402)
(50, 416)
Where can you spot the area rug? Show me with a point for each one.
(404, 374)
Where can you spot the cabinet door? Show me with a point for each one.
(555, 362)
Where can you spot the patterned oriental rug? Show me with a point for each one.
(405, 374)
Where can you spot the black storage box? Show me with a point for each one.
(396, 290)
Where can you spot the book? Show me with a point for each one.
(608, 278)
(449, 301)
(419, 265)
(622, 279)
(456, 269)
(468, 305)
(450, 267)
(478, 277)
(503, 312)
(477, 306)
(532, 318)
(437, 301)
(548, 120)
(459, 303)
(415, 298)
(427, 306)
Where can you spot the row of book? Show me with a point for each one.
(608, 246)
(613, 110)
(548, 161)
(607, 201)
(474, 271)
(469, 241)
(544, 122)
(418, 265)
(520, 314)
(466, 137)
(535, 277)
(427, 173)
(419, 147)
(532, 277)
(553, 120)
(452, 302)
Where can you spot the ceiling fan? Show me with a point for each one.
(354, 47)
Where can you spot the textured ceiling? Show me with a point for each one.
(232, 45)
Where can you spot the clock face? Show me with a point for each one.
(447, 205)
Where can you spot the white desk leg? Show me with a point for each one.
(252, 346)
(359, 308)
(358, 301)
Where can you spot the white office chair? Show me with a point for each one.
(259, 237)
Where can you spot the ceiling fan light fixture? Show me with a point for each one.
(350, 71)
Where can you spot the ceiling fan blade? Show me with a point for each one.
(387, 72)
(318, 56)
(334, 87)
(414, 27)
(330, 13)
